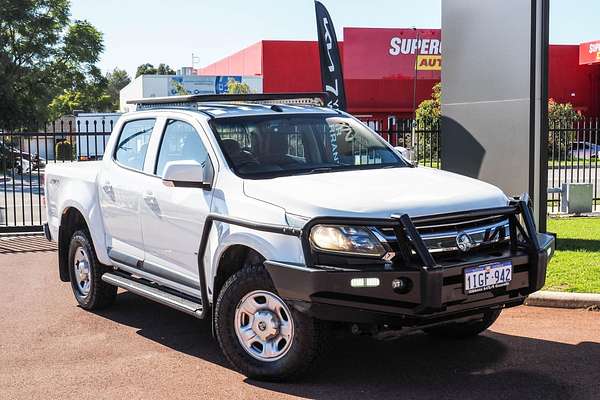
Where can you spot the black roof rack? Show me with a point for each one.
(310, 98)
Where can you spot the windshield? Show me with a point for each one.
(271, 146)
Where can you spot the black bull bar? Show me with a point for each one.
(324, 290)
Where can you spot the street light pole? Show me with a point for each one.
(417, 53)
(414, 121)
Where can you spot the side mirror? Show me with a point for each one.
(405, 153)
(188, 173)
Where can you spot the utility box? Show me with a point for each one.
(577, 198)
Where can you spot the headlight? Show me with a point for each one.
(346, 239)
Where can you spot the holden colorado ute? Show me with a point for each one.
(277, 217)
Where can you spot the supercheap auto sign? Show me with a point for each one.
(375, 53)
(427, 51)
(589, 53)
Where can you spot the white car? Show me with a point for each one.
(275, 216)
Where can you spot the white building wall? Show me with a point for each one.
(133, 90)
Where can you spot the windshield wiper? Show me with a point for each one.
(318, 170)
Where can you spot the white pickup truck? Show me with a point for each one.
(278, 218)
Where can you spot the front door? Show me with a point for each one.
(173, 217)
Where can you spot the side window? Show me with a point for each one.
(180, 141)
(133, 143)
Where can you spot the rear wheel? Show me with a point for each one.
(85, 273)
(460, 330)
(259, 334)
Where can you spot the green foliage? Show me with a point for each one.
(92, 99)
(558, 112)
(42, 52)
(145, 69)
(429, 111)
(427, 122)
(164, 69)
(63, 150)
(564, 117)
(116, 80)
(179, 88)
(235, 87)
(149, 69)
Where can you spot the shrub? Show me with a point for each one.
(63, 150)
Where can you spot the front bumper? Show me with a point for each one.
(435, 290)
(435, 293)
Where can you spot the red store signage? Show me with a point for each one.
(589, 52)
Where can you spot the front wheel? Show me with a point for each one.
(460, 330)
(259, 334)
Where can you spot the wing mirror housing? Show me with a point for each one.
(188, 173)
(405, 154)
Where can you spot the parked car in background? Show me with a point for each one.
(278, 218)
(584, 150)
(23, 162)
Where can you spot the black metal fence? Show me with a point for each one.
(421, 140)
(24, 155)
(573, 153)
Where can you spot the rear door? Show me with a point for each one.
(120, 191)
(173, 217)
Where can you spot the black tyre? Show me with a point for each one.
(85, 273)
(259, 334)
(460, 330)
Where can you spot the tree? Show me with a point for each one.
(558, 112)
(116, 80)
(164, 69)
(429, 111)
(562, 117)
(145, 69)
(42, 52)
(235, 87)
(93, 98)
(427, 120)
(149, 69)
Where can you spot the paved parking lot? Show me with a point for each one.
(51, 349)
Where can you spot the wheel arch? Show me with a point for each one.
(72, 219)
(231, 260)
(268, 246)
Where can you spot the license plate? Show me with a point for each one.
(488, 276)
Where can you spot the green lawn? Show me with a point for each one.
(552, 164)
(581, 163)
(576, 264)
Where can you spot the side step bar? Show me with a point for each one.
(156, 294)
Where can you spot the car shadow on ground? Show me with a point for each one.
(578, 244)
(493, 365)
(169, 327)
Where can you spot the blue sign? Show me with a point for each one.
(221, 83)
(195, 84)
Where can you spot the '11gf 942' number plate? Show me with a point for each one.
(488, 276)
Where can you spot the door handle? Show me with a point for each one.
(107, 187)
(150, 200)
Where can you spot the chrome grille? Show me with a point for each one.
(441, 238)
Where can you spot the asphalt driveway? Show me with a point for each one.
(50, 349)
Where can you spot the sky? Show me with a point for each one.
(155, 31)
